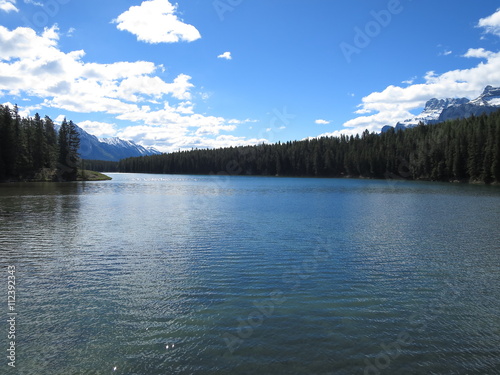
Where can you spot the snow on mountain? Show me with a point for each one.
(495, 102)
(121, 143)
(440, 110)
(432, 111)
(110, 149)
(489, 97)
(486, 103)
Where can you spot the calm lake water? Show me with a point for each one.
(158, 274)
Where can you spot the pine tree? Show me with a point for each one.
(69, 142)
(8, 141)
(51, 140)
(39, 149)
(495, 165)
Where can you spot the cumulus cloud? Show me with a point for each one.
(179, 127)
(33, 64)
(158, 113)
(172, 138)
(99, 129)
(395, 103)
(8, 6)
(480, 53)
(321, 122)
(225, 55)
(491, 24)
(156, 21)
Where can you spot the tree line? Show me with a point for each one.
(458, 150)
(32, 149)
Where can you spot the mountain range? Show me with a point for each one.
(440, 110)
(110, 149)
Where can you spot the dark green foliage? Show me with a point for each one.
(100, 165)
(463, 150)
(31, 145)
(8, 140)
(69, 142)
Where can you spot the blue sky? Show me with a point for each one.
(213, 73)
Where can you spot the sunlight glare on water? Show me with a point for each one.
(150, 274)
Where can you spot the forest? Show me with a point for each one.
(32, 149)
(466, 150)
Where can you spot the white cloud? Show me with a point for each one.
(155, 21)
(491, 24)
(225, 55)
(158, 113)
(396, 103)
(32, 2)
(338, 133)
(30, 61)
(59, 118)
(410, 81)
(99, 129)
(8, 6)
(321, 122)
(180, 116)
(480, 53)
(171, 138)
(173, 128)
(214, 130)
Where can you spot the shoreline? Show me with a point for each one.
(51, 176)
(348, 177)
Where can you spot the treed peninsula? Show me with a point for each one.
(32, 150)
(463, 150)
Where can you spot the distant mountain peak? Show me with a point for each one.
(491, 91)
(110, 149)
(439, 110)
(118, 142)
(490, 96)
(440, 104)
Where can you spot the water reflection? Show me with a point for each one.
(147, 274)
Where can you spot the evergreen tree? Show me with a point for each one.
(8, 143)
(40, 145)
(495, 165)
(456, 150)
(51, 141)
(69, 142)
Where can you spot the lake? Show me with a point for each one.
(161, 274)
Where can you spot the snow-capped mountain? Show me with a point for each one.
(439, 110)
(432, 111)
(129, 145)
(489, 97)
(110, 149)
(487, 102)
